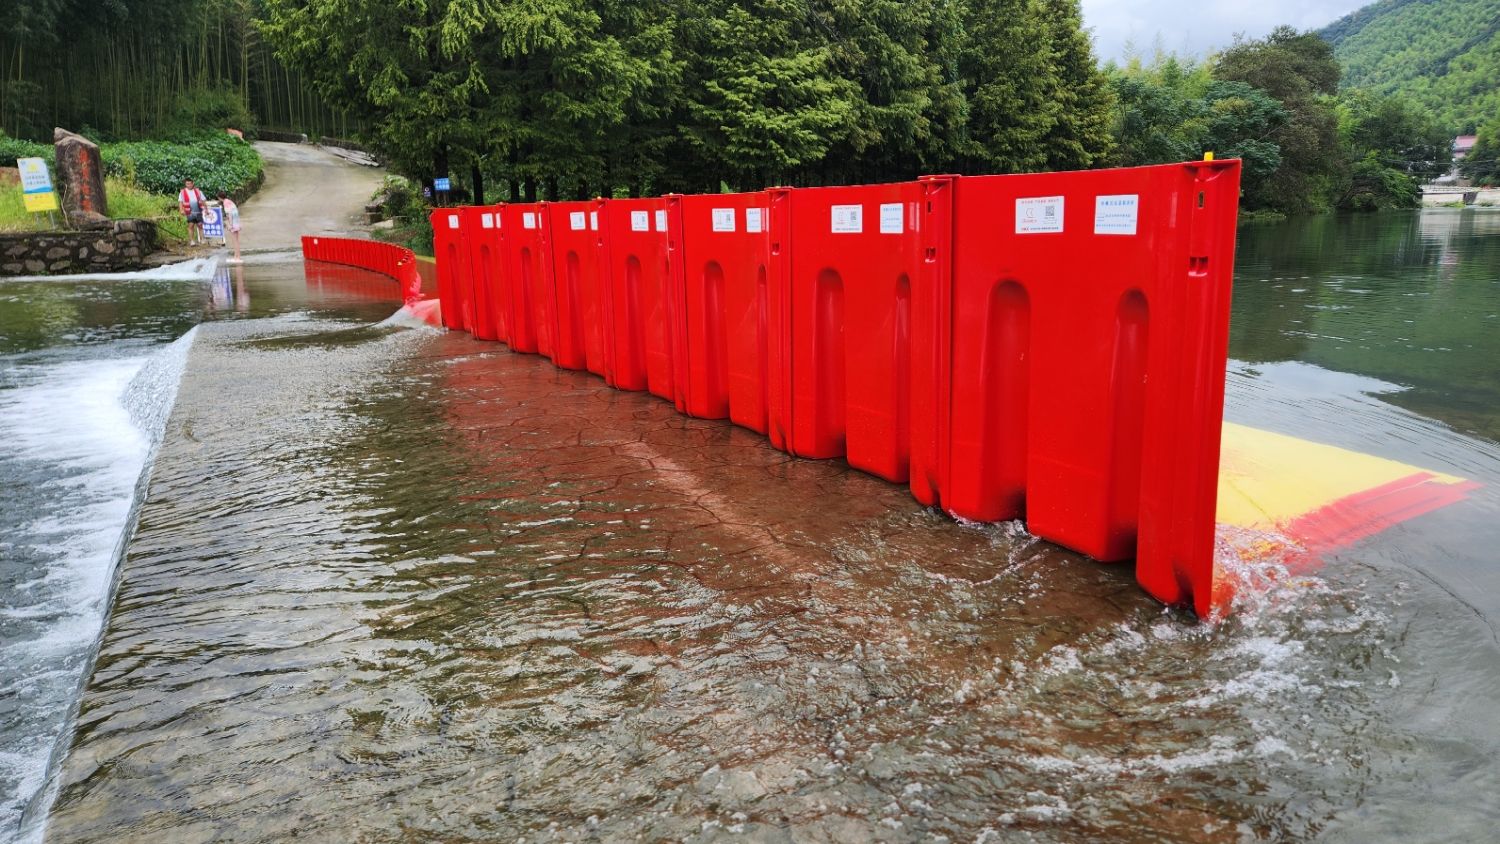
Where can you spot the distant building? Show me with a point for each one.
(1462, 145)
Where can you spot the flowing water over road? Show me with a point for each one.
(395, 585)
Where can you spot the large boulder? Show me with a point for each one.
(80, 179)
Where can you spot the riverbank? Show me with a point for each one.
(1454, 197)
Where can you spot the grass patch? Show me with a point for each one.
(126, 202)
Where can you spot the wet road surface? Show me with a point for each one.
(395, 585)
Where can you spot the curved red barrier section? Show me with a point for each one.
(398, 262)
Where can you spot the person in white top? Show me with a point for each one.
(191, 201)
(231, 213)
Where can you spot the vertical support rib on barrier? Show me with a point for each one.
(932, 343)
(779, 369)
(1185, 398)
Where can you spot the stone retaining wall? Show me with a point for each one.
(124, 245)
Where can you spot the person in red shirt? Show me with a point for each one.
(191, 201)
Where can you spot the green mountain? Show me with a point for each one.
(1445, 54)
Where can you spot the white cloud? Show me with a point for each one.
(1197, 28)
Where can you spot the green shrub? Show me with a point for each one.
(13, 148)
(215, 161)
(219, 108)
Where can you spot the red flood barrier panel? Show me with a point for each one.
(455, 283)
(1089, 343)
(852, 279)
(641, 295)
(388, 259)
(729, 341)
(532, 320)
(573, 228)
(482, 235)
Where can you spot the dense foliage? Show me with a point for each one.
(1273, 103)
(1482, 164)
(145, 68)
(1443, 54)
(562, 98)
(215, 161)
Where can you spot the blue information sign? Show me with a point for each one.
(213, 222)
(442, 185)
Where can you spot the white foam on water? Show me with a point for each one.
(193, 269)
(83, 432)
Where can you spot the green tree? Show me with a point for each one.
(1393, 146)
(1158, 109)
(1299, 71)
(1241, 121)
(1081, 136)
(1008, 80)
(761, 99)
(1482, 164)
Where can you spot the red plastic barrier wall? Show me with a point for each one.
(729, 337)
(573, 228)
(641, 293)
(532, 320)
(398, 262)
(454, 281)
(1046, 346)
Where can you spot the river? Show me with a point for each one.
(391, 584)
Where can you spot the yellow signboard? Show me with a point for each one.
(36, 185)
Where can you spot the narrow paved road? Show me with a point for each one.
(307, 191)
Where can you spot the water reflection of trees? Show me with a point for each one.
(1410, 298)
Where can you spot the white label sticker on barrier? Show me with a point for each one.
(1117, 214)
(848, 219)
(1039, 215)
(575, 220)
(723, 219)
(661, 221)
(487, 221)
(593, 221)
(640, 221)
(753, 220)
(892, 218)
(528, 220)
(452, 221)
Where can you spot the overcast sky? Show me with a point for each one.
(1197, 27)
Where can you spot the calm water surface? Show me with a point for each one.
(394, 585)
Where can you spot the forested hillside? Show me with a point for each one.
(1444, 54)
